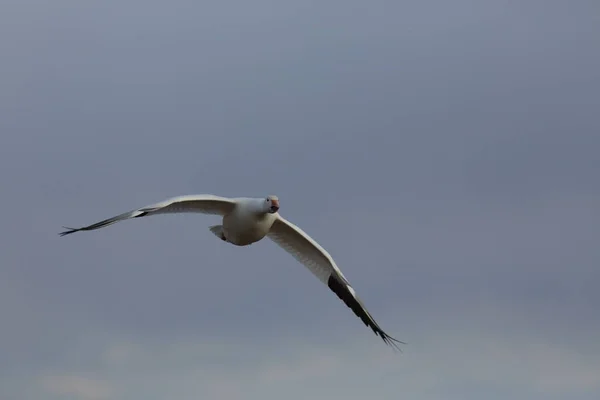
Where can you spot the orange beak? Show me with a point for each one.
(274, 205)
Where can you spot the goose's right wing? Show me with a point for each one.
(198, 203)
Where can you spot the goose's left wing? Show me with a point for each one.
(314, 257)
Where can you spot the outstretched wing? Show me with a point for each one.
(308, 252)
(197, 203)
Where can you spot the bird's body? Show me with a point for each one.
(248, 220)
(243, 227)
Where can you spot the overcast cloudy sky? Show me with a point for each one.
(445, 153)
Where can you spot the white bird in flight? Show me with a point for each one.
(248, 220)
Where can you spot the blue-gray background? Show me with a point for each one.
(445, 153)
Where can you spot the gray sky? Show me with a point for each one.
(445, 153)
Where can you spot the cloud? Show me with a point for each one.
(441, 362)
(76, 386)
(559, 370)
(444, 153)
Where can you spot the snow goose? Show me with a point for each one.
(247, 220)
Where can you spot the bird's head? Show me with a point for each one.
(271, 204)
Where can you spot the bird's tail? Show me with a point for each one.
(217, 230)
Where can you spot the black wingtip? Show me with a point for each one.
(68, 231)
(340, 288)
(390, 341)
